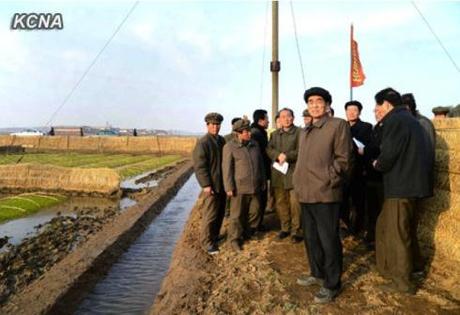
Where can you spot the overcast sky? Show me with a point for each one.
(172, 62)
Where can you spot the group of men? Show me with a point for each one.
(316, 175)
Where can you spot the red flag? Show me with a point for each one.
(356, 72)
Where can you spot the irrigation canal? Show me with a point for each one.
(134, 280)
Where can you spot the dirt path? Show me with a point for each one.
(262, 280)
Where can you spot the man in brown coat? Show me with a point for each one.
(207, 162)
(325, 151)
(282, 148)
(244, 179)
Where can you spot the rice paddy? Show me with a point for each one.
(125, 165)
(25, 204)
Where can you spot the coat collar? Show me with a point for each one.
(318, 124)
(291, 130)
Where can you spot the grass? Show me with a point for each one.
(26, 204)
(126, 165)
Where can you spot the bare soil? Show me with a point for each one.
(262, 280)
(52, 271)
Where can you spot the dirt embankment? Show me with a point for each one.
(262, 280)
(52, 271)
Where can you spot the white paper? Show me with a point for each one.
(358, 143)
(283, 168)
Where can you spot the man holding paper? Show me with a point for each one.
(355, 190)
(282, 150)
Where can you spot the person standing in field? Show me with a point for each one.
(244, 180)
(207, 163)
(283, 148)
(324, 161)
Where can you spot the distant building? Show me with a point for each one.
(66, 131)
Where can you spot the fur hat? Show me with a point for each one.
(213, 118)
(319, 92)
(240, 125)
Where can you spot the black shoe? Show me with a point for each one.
(213, 249)
(325, 295)
(296, 239)
(282, 235)
(262, 228)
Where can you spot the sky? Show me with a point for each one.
(171, 62)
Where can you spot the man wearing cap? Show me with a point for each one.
(283, 148)
(324, 160)
(406, 165)
(306, 117)
(244, 179)
(207, 161)
(360, 131)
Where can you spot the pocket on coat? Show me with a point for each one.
(335, 179)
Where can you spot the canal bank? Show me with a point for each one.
(66, 282)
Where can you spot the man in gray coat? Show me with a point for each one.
(244, 179)
(324, 160)
(207, 161)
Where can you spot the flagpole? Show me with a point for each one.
(351, 61)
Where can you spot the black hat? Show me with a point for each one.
(320, 92)
(305, 113)
(354, 103)
(213, 118)
(241, 124)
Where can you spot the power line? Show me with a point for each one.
(66, 99)
(297, 43)
(262, 72)
(436, 36)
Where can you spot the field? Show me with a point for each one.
(125, 164)
(26, 204)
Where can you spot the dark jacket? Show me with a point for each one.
(324, 161)
(242, 168)
(259, 135)
(404, 159)
(283, 142)
(371, 153)
(207, 162)
(361, 131)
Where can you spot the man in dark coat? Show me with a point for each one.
(259, 135)
(207, 163)
(406, 164)
(323, 163)
(244, 179)
(360, 131)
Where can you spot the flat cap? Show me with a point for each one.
(241, 124)
(213, 118)
(305, 113)
(319, 91)
(354, 103)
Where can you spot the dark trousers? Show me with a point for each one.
(244, 216)
(353, 206)
(212, 215)
(320, 222)
(374, 202)
(394, 242)
(263, 205)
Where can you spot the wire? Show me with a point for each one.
(436, 36)
(297, 43)
(67, 98)
(262, 72)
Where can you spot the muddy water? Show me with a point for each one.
(20, 228)
(132, 283)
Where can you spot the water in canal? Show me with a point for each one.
(132, 283)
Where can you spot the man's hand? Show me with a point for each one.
(361, 151)
(208, 190)
(281, 158)
(230, 193)
(374, 163)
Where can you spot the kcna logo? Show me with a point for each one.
(37, 21)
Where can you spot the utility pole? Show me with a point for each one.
(275, 65)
